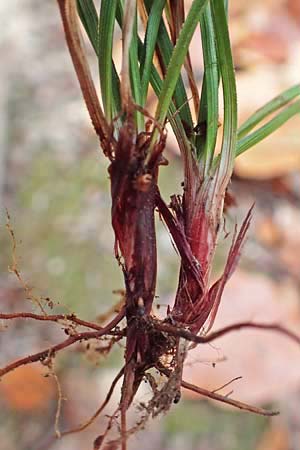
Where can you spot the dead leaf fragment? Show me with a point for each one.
(275, 438)
(269, 233)
(27, 389)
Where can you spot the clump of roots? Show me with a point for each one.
(156, 350)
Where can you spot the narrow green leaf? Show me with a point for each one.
(156, 84)
(120, 13)
(135, 76)
(116, 91)
(105, 44)
(209, 103)
(174, 118)
(178, 57)
(89, 18)
(269, 108)
(226, 6)
(150, 43)
(254, 138)
(228, 148)
(166, 49)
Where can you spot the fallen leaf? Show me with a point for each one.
(293, 7)
(269, 233)
(276, 438)
(27, 389)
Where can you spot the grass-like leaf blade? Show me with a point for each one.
(166, 49)
(229, 94)
(150, 43)
(178, 56)
(269, 108)
(254, 138)
(209, 103)
(89, 18)
(105, 44)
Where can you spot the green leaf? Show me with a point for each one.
(135, 76)
(166, 49)
(177, 59)
(105, 44)
(209, 103)
(174, 118)
(269, 108)
(89, 18)
(116, 91)
(228, 148)
(254, 138)
(150, 43)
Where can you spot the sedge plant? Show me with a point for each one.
(156, 37)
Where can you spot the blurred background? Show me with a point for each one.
(54, 183)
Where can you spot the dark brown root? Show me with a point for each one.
(51, 318)
(226, 384)
(229, 401)
(50, 352)
(221, 398)
(99, 441)
(87, 423)
(186, 334)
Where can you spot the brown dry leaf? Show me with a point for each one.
(276, 438)
(269, 233)
(268, 362)
(27, 389)
(293, 7)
